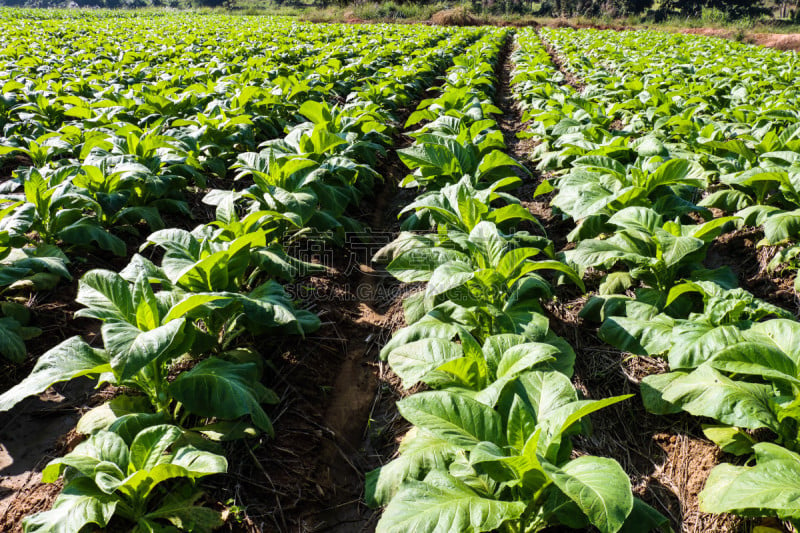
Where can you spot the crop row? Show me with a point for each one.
(109, 145)
(180, 333)
(664, 148)
(490, 447)
(111, 154)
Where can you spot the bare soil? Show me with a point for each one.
(738, 251)
(778, 41)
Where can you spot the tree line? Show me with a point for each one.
(655, 10)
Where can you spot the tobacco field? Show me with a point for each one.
(258, 274)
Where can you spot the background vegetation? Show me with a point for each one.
(770, 15)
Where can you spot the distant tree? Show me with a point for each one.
(738, 8)
(734, 8)
(569, 8)
(208, 3)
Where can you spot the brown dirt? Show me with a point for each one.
(738, 251)
(511, 124)
(32, 497)
(309, 477)
(778, 41)
(10, 163)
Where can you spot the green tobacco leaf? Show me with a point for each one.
(674, 249)
(106, 295)
(84, 232)
(641, 219)
(543, 393)
(652, 390)
(496, 159)
(615, 283)
(523, 357)
(221, 389)
(447, 277)
(457, 419)
(488, 240)
(511, 212)
(429, 155)
(70, 359)
(677, 171)
(420, 452)
(729, 439)
(420, 330)
(467, 372)
(496, 345)
(558, 422)
(543, 188)
(414, 360)
(316, 112)
(131, 349)
(600, 488)
(785, 334)
(79, 504)
(706, 392)
(640, 337)
(185, 515)
(149, 446)
(12, 345)
(442, 500)
(88, 455)
(559, 267)
(199, 463)
(129, 425)
(769, 488)
(644, 518)
(194, 301)
(694, 343)
(417, 264)
(520, 423)
(756, 359)
(102, 416)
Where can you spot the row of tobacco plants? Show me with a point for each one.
(490, 444)
(109, 134)
(669, 142)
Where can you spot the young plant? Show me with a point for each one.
(766, 488)
(480, 272)
(144, 333)
(504, 466)
(439, 159)
(462, 206)
(599, 186)
(62, 212)
(144, 479)
(656, 253)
